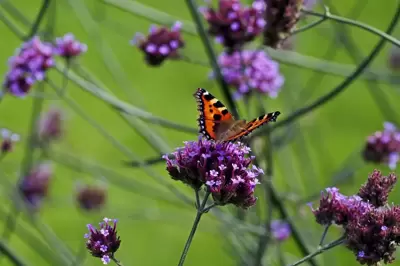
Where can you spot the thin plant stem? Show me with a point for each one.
(212, 56)
(2, 156)
(80, 256)
(200, 211)
(386, 36)
(341, 87)
(116, 261)
(264, 239)
(319, 251)
(197, 199)
(13, 258)
(324, 234)
(312, 24)
(285, 216)
(27, 161)
(39, 18)
(377, 93)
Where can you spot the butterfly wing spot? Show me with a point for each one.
(271, 116)
(217, 117)
(218, 104)
(211, 112)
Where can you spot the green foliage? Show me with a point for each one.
(153, 211)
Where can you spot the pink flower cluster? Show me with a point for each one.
(251, 70)
(34, 58)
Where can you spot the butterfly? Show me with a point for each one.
(217, 123)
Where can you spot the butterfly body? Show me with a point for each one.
(217, 123)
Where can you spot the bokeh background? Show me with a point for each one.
(320, 149)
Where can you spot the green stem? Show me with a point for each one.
(212, 56)
(319, 251)
(116, 261)
(324, 234)
(341, 87)
(13, 258)
(328, 15)
(35, 27)
(313, 24)
(200, 211)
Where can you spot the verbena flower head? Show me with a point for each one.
(394, 58)
(91, 197)
(309, 4)
(103, 242)
(250, 71)
(336, 208)
(371, 230)
(280, 230)
(68, 47)
(34, 187)
(160, 44)
(374, 236)
(281, 17)
(233, 24)
(28, 66)
(225, 169)
(376, 190)
(7, 140)
(51, 125)
(383, 146)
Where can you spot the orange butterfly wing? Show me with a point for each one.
(212, 113)
(255, 123)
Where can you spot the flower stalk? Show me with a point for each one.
(201, 209)
(319, 251)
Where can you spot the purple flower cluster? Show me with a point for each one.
(34, 187)
(160, 44)
(280, 230)
(394, 58)
(28, 66)
(377, 188)
(103, 242)
(7, 140)
(34, 58)
(234, 25)
(371, 226)
(336, 208)
(309, 4)
(383, 146)
(281, 18)
(249, 71)
(224, 168)
(91, 197)
(68, 47)
(374, 236)
(50, 125)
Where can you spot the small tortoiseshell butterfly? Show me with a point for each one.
(217, 123)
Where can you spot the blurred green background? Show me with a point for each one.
(153, 222)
